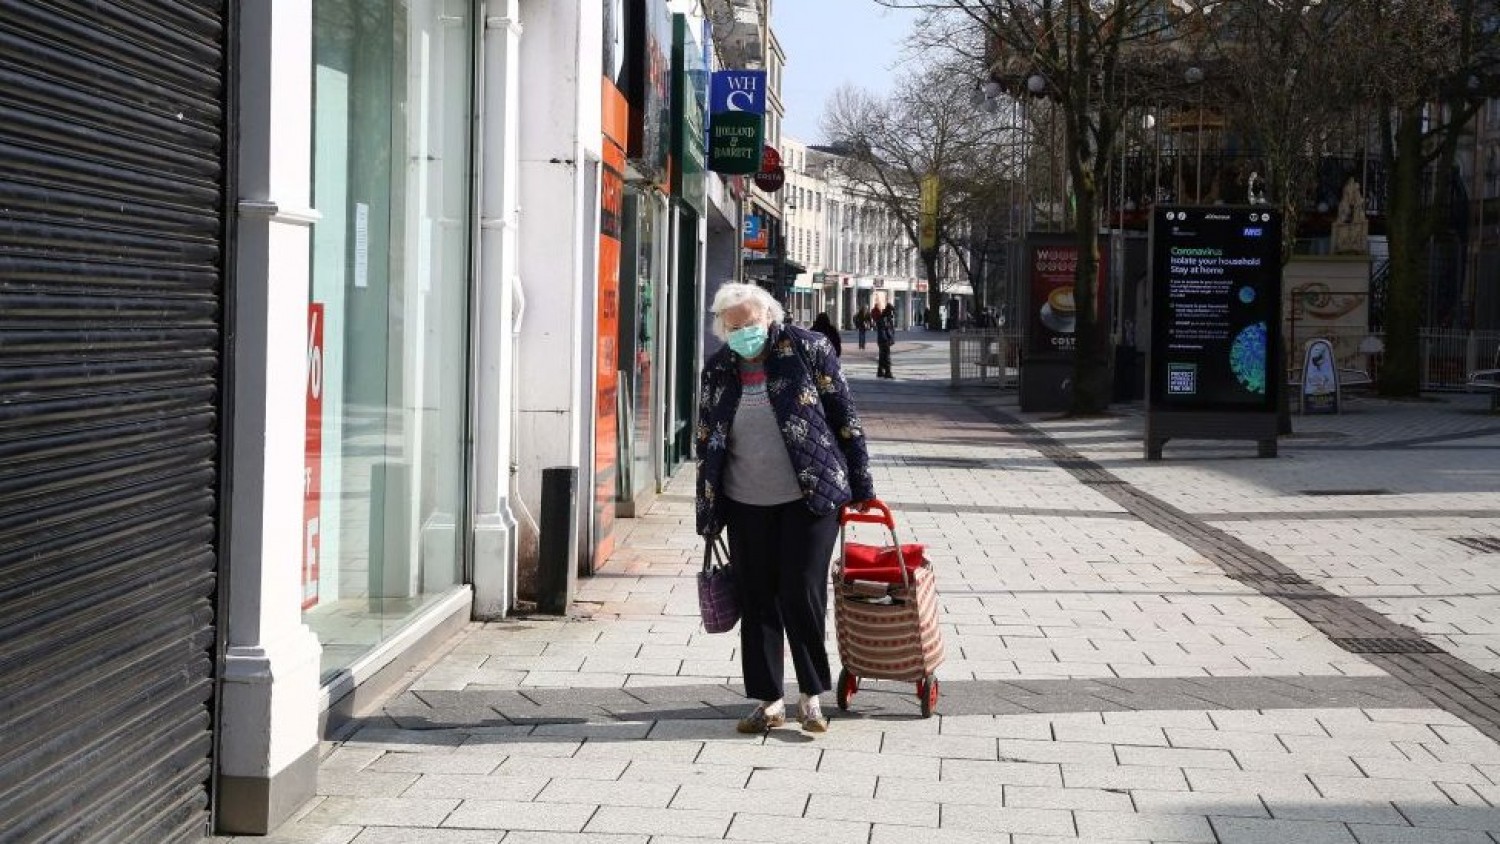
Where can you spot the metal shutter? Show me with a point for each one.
(112, 190)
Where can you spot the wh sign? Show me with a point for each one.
(738, 90)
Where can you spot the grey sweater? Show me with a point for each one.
(759, 471)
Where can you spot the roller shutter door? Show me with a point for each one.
(112, 257)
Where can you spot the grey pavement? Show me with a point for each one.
(1211, 648)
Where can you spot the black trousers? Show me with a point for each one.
(883, 362)
(781, 556)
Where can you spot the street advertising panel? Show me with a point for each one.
(1051, 319)
(1320, 378)
(1052, 315)
(1216, 306)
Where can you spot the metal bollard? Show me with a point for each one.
(558, 541)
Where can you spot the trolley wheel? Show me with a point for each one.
(848, 685)
(927, 694)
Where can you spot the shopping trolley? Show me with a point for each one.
(885, 611)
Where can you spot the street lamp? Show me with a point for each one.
(1194, 76)
(1148, 126)
(1490, 172)
(1036, 85)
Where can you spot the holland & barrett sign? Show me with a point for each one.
(737, 105)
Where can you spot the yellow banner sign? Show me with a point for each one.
(929, 233)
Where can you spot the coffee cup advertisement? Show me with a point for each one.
(1053, 310)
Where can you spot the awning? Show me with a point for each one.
(777, 270)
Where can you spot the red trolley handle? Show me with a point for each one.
(878, 514)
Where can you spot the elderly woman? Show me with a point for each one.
(780, 453)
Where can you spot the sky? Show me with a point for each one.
(829, 43)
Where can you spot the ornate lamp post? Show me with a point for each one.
(1194, 76)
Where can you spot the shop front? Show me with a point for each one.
(609, 391)
(386, 478)
(690, 63)
(858, 294)
(646, 258)
(643, 280)
(801, 304)
(826, 297)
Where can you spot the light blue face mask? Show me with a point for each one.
(748, 341)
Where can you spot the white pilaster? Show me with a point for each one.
(267, 761)
(560, 141)
(495, 310)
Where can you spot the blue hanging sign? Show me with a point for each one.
(738, 90)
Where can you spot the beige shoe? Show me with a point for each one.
(763, 718)
(810, 713)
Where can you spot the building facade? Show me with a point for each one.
(302, 309)
(855, 251)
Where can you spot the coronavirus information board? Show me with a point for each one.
(1215, 324)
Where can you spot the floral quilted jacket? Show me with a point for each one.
(811, 400)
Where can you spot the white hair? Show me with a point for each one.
(733, 294)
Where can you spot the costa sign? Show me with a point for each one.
(770, 181)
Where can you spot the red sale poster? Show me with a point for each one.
(312, 480)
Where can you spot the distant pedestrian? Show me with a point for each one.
(780, 452)
(862, 324)
(823, 325)
(885, 337)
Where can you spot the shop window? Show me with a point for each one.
(386, 473)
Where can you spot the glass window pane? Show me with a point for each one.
(390, 276)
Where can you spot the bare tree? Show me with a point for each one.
(926, 128)
(1427, 94)
(1286, 110)
(1287, 78)
(1076, 54)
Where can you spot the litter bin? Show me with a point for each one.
(558, 542)
(1129, 374)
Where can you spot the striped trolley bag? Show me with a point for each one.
(885, 611)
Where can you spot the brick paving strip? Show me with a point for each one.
(1448, 682)
(1332, 515)
(1434, 439)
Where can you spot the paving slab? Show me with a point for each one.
(1207, 648)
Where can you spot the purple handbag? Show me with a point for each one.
(717, 602)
